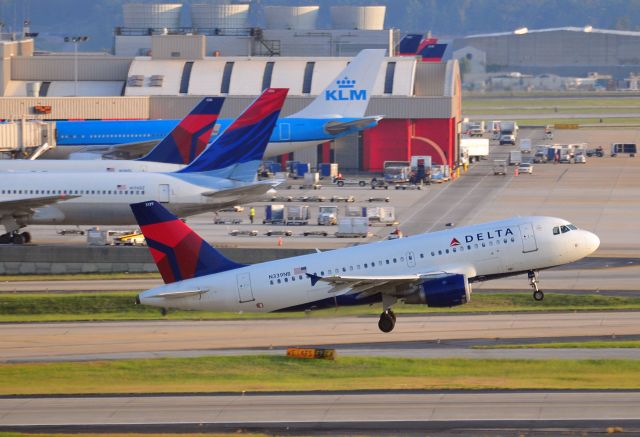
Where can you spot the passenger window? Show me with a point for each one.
(483, 245)
(286, 279)
(293, 278)
(556, 230)
(366, 265)
(279, 281)
(422, 255)
(453, 250)
(395, 260)
(446, 251)
(271, 282)
(300, 277)
(351, 268)
(387, 261)
(461, 248)
(322, 273)
(344, 269)
(439, 252)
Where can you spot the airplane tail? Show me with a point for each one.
(179, 253)
(237, 152)
(348, 94)
(427, 48)
(190, 137)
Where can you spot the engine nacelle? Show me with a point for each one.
(442, 291)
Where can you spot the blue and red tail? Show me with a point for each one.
(178, 252)
(427, 48)
(240, 148)
(190, 137)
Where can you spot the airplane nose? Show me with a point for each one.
(593, 242)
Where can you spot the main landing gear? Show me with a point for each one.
(387, 321)
(15, 237)
(533, 281)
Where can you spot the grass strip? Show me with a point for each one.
(43, 307)
(622, 344)
(559, 102)
(279, 373)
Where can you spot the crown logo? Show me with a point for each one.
(345, 83)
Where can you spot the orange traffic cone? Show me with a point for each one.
(279, 241)
(515, 172)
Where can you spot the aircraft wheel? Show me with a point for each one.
(17, 239)
(5, 238)
(27, 237)
(163, 311)
(538, 295)
(387, 322)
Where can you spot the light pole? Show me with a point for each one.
(75, 40)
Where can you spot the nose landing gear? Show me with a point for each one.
(538, 295)
(387, 321)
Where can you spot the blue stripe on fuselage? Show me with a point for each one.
(88, 133)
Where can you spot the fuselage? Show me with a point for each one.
(74, 136)
(104, 198)
(480, 252)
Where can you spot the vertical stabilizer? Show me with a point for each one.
(237, 152)
(190, 137)
(176, 249)
(349, 93)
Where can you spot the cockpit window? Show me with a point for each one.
(556, 230)
(572, 227)
(564, 229)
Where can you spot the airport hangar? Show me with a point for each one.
(421, 101)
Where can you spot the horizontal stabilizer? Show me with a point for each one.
(343, 128)
(179, 294)
(233, 193)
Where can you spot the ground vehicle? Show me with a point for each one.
(525, 145)
(499, 167)
(515, 157)
(478, 147)
(379, 183)
(525, 167)
(580, 159)
(341, 182)
(540, 157)
(629, 148)
(98, 237)
(397, 171)
(507, 139)
(132, 239)
(328, 215)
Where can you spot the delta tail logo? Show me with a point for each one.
(454, 243)
(346, 91)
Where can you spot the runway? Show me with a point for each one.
(22, 342)
(369, 412)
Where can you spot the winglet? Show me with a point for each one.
(314, 278)
(240, 148)
(190, 137)
(179, 253)
(349, 93)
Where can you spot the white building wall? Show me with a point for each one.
(170, 70)
(289, 74)
(246, 78)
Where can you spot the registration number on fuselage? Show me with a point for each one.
(279, 275)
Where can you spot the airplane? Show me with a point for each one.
(433, 269)
(186, 141)
(427, 48)
(223, 175)
(337, 111)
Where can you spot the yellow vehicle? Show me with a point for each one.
(132, 239)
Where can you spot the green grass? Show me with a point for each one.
(279, 373)
(80, 277)
(580, 121)
(550, 103)
(41, 307)
(623, 344)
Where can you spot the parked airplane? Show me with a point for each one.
(434, 269)
(339, 110)
(184, 143)
(224, 174)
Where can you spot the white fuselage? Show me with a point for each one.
(104, 198)
(87, 165)
(483, 251)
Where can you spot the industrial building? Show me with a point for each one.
(564, 51)
(421, 102)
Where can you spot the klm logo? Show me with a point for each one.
(346, 91)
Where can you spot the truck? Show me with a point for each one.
(525, 145)
(420, 169)
(352, 227)
(627, 148)
(500, 167)
(475, 147)
(508, 132)
(99, 237)
(494, 128)
(135, 238)
(397, 171)
(328, 215)
(515, 157)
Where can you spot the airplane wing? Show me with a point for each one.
(232, 194)
(23, 207)
(340, 128)
(370, 285)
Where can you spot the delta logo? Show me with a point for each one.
(454, 243)
(346, 91)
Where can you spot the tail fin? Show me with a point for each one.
(238, 151)
(428, 48)
(348, 94)
(178, 252)
(190, 137)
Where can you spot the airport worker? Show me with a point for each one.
(252, 214)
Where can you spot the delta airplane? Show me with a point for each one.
(434, 269)
(183, 144)
(338, 111)
(224, 174)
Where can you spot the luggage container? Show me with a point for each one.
(328, 215)
(297, 215)
(274, 214)
(382, 215)
(355, 211)
(301, 169)
(353, 227)
(329, 170)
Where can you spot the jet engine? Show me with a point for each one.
(442, 291)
